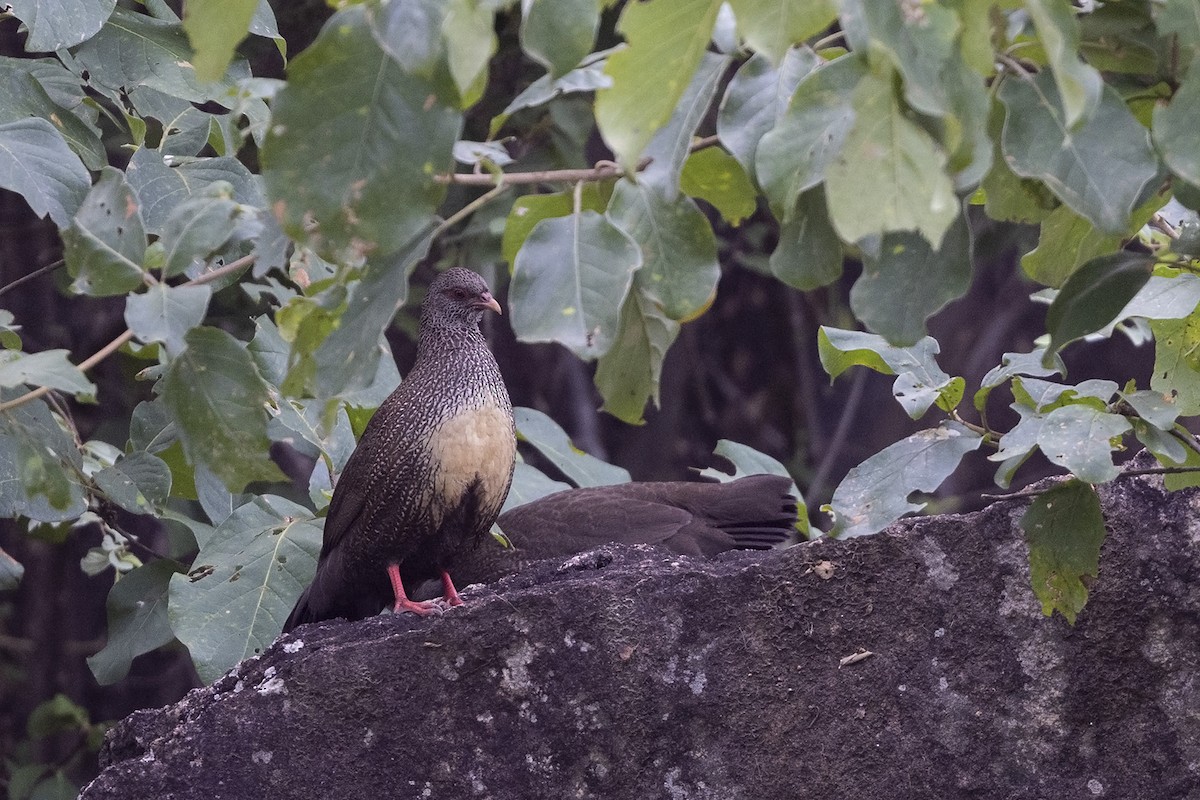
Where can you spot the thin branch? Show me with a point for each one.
(470, 208)
(1014, 66)
(35, 274)
(117, 343)
(602, 171)
(828, 40)
(1159, 223)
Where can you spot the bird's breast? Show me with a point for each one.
(475, 447)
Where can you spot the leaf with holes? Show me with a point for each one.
(1064, 527)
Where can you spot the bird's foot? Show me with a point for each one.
(449, 593)
(421, 608)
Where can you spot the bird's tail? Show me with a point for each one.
(758, 511)
(302, 612)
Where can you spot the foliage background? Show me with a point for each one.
(744, 364)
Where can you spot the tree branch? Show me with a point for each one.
(26, 278)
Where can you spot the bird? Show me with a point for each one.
(429, 475)
(690, 518)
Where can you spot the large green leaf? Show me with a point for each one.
(717, 178)
(772, 26)
(809, 252)
(1076, 163)
(165, 313)
(794, 155)
(1064, 527)
(670, 145)
(892, 160)
(1076, 436)
(909, 281)
(920, 382)
(756, 98)
(23, 95)
(137, 620)
(198, 227)
(36, 163)
(588, 77)
(628, 374)
(354, 146)
(530, 209)
(1065, 242)
(57, 24)
(1179, 17)
(1095, 294)
(1177, 361)
(569, 281)
(215, 27)
(679, 252)
(411, 33)
(1164, 297)
(219, 401)
(469, 33)
(1177, 128)
(40, 466)
(666, 43)
(244, 582)
(140, 482)
(1079, 84)
(559, 33)
(50, 368)
(105, 244)
(876, 492)
(552, 441)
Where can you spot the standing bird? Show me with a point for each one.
(429, 475)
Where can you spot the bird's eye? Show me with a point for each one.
(458, 294)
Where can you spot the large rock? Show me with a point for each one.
(631, 673)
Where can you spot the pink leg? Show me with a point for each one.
(423, 608)
(449, 593)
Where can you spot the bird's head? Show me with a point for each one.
(457, 298)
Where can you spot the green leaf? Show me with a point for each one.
(679, 252)
(552, 442)
(244, 582)
(529, 484)
(671, 144)
(23, 95)
(920, 382)
(909, 281)
(1065, 241)
(137, 620)
(559, 33)
(569, 281)
(197, 227)
(59, 714)
(795, 155)
(1177, 361)
(411, 33)
(354, 146)
(140, 482)
(666, 43)
(809, 252)
(40, 466)
(628, 374)
(36, 163)
(133, 50)
(62, 23)
(772, 26)
(1094, 295)
(215, 27)
(219, 402)
(716, 177)
(1177, 127)
(105, 244)
(1079, 85)
(1064, 528)
(468, 30)
(588, 77)
(50, 368)
(161, 189)
(165, 313)
(756, 98)
(1076, 163)
(889, 158)
(1077, 437)
(1045, 396)
(1008, 196)
(1156, 408)
(11, 572)
(530, 209)
(1179, 17)
(876, 492)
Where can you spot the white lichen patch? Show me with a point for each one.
(941, 573)
(262, 756)
(697, 683)
(293, 647)
(514, 677)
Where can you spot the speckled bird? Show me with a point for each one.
(429, 475)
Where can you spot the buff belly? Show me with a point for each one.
(474, 449)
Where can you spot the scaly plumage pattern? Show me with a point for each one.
(431, 471)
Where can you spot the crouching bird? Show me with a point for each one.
(429, 475)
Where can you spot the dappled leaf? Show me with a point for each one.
(354, 145)
(569, 281)
(530, 209)
(140, 482)
(1158, 409)
(219, 402)
(756, 98)
(1094, 294)
(244, 582)
(137, 620)
(1064, 527)
(909, 281)
(679, 252)
(716, 177)
(36, 163)
(889, 158)
(628, 374)
(197, 227)
(1076, 163)
(876, 492)
(666, 43)
(105, 243)
(552, 441)
(165, 313)
(1077, 437)
(1177, 361)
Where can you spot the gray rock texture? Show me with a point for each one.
(632, 673)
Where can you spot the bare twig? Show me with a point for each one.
(1014, 66)
(1159, 223)
(828, 40)
(601, 171)
(470, 208)
(35, 274)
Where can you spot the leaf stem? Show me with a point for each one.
(470, 208)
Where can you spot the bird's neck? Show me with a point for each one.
(436, 339)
